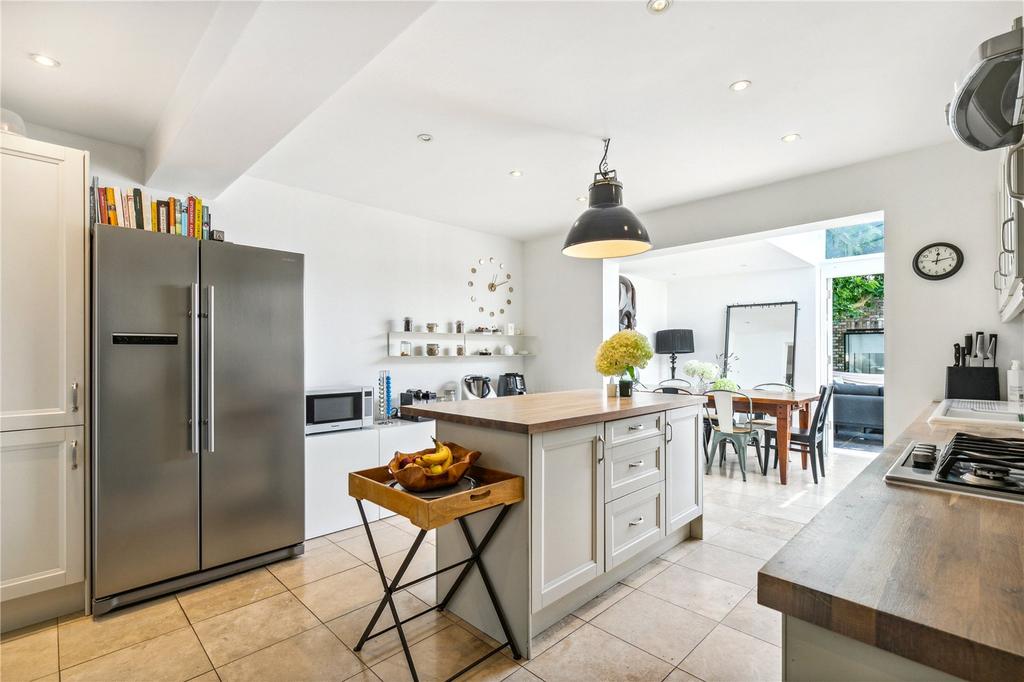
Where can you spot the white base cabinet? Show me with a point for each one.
(684, 477)
(42, 520)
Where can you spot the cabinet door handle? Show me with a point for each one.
(1008, 248)
(671, 432)
(636, 427)
(1011, 189)
(637, 521)
(74, 454)
(599, 440)
(74, 396)
(633, 465)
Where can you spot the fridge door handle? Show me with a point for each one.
(210, 391)
(193, 411)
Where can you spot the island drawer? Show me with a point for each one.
(633, 465)
(633, 523)
(634, 428)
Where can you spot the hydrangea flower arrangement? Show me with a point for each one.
(705, 371)
(724, 384)
(623, 353)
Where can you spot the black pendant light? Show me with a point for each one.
(607, 229)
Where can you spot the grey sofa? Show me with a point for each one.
(857, 407)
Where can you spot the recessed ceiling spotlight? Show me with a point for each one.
(43, 60)
(739, 86)
(515, 173)
(424, 137)
(658, 6)
(790, 137)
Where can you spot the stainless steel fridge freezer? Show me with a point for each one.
(198, 447)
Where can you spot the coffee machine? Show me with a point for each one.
(511, 384)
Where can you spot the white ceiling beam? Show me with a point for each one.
(260, 69)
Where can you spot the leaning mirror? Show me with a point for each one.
(760, 343)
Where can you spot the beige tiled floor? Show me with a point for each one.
(691, 614)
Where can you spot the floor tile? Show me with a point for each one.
(347, 534)
(730, 655)
(704, 594)
(174, 656)
(238, 633)
(747, 542)
(656, 626)
(756, 620)
(316, 543)
(363, 676)
(425, 591)
(222, 596)
(602, 601)
(349, 628)
(313, 565)
(592, 654)
(442, 654)
(210, 676)
(681, 676)
(724, 563)
(711, 529)
(555, 634)
(720, 513)
(681, 550)
(522, 675)
(29, 653)
(386, 537)
(789, 513)
(340, 593)
(86, 637)
(312, 655)
(646, 572)
(767, 525)
(423, 562)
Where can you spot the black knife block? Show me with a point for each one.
(972, 383)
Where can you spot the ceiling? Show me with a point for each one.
(739, 258)
(120, 63)
(531, 86)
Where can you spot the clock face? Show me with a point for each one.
(490, 287)
(938, 261)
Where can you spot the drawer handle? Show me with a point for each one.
(74, 454)
(479, 496)
(633, 465)
(636, 427)
(636, 521)
(74, 396)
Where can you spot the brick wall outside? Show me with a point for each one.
(873, 319)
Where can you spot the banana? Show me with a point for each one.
(441, 454)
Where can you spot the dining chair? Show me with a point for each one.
(682, 382)
(730, 427)
(761, 420)
(813, 437)
(672, 390)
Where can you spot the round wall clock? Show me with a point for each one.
(938, 261)
(490, 286)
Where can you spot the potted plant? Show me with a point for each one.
(703, 372)
(621, 355)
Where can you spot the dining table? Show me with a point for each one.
(781, 405)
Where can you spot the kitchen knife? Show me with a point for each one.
(956, 354)
(979, 350)
(968, 346)
(990, 354)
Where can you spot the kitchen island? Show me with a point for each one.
(610, 484)
(890, 582)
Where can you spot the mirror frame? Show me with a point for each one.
(790, 376)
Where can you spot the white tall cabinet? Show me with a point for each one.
(43, 350)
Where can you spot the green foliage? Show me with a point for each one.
(724, 384)
(852, 297)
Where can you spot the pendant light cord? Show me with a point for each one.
(602, 167)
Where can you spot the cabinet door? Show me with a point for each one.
(42, 510)
(403, 436)
(330, 458)
(633, 523)
(567, 507)
(683, 480)
(42, 294)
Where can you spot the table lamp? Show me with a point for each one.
(672, 341)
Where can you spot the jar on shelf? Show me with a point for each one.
(460, 349)
(407, 324)
(405, 349)
(431, 327)
(460, 327)
(433, 349)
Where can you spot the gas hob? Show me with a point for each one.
(967, 464)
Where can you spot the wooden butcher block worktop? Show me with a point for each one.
(934, 577)
(539, 412)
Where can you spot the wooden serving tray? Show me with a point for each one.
(495, 487)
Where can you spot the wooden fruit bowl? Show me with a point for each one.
(417, 479)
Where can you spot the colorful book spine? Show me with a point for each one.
(191, 217)
(112, 207)
(139, 221)
(163, 215)
(154, 220)
(103, 217)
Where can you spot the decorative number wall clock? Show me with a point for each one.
(938, 261)
(490, 286)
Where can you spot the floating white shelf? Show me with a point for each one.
(470, 341)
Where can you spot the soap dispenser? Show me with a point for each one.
(1015, 382)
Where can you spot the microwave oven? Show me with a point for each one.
(336, 409)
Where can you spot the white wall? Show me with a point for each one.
(652, 316)
(700, 303)
(946, 192)
(366, 267)
(115, 164)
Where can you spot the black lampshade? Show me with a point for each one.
(673, 341)
(607, 229)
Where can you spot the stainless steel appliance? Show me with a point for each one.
(340, 408)
(511, 384)
(198, 467)
(475, 387)
(968, 464)
(986, 110)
